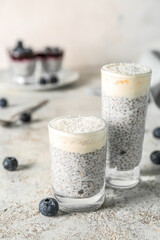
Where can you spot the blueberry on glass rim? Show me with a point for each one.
(3, 102)
(53, 51)
(10, 163)
(21, 52)
(42, 81)
(155, 157)
(54, 79)
(19, 47)
(25, 117)
(156, 132)
(48, 207)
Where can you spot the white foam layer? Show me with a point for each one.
(77, 134)
(78, 124)
(125, 80)
(131, 69)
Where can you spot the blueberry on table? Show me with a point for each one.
(54, 79)
(3, 102)
(156, 132)
(25, 117)
(48, 207)
(42, 81)
(155, 157)
(10, 163)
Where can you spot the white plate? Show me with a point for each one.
(65, 77)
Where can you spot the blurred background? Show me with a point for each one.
(92, 32)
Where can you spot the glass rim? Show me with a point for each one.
(125, 75)
(61, 132)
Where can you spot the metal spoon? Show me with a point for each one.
(15, 117)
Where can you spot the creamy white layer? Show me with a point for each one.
(80, 134)
(125, 80)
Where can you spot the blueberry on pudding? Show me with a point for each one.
(22, 63)
(53, 59)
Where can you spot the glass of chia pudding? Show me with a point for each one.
(52, 61)
(78, 161)
(125, 91)
(23, 62)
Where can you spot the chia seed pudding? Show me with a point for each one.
(78, 154)
(78, 175)
(125, 120)
(125, 88)
(52, 61)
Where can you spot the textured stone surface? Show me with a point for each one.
(126, 214)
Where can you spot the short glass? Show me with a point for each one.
(78, 165)
(23, 70)
(124, 107)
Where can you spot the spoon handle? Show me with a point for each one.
(30, 109)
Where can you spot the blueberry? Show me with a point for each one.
(55, 50)
(156, 132)
(48, 49)
(42, 81)
(3, 102)
(25, 117)
(54, 79)
(10, 163)
(19, 46)
(155, 157)
(48, 207)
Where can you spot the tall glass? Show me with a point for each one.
(78, 164)
(125, 90)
